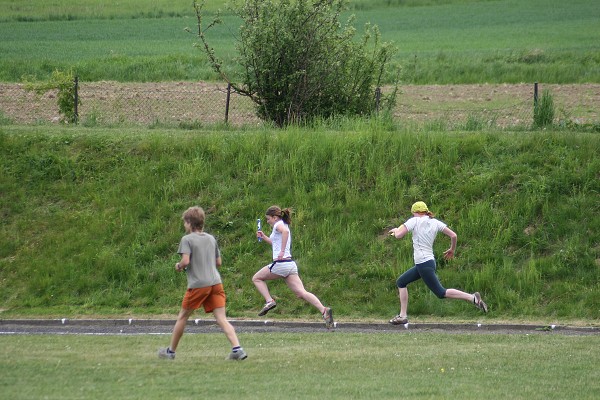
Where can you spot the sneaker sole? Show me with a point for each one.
(264, 312)
(480, 303)
(482, 306)
(329, 323)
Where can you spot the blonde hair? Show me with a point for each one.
(430, 214)
(285, 214)
(195, 217)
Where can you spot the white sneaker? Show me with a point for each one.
(238, 355)
(269, 306)
(479, 303)
(166, 353)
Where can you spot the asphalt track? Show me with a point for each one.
(132, 326)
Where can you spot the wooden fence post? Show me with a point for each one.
(227, 103)
(76, 99)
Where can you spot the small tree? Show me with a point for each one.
(299, 63)
(64, 82)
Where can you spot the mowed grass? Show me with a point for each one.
(303, 366)
(505, 41)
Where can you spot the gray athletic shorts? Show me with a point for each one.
(283, 268)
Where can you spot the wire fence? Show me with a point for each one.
(199, 103)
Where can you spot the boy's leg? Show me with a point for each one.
(182, 319)
(227, 328)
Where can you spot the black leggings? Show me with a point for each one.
(425, 271)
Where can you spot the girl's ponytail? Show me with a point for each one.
(286, 215)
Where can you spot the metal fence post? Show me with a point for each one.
(377, 99)
(227, 103)
(535, 95)
(76, 99)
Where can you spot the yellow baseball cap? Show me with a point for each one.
(419, 207)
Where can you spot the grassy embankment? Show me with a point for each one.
(440, 42)
(91, 217)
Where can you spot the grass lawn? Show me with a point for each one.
(302, 366)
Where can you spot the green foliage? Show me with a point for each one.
(91, 217)
(543, 110)
(299, 63)
(64, 83)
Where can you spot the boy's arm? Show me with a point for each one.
(184, 262)
(219, 261)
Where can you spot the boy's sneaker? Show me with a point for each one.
(398, 320)
(328, 317)
(166, 353)
(479, 303)
(238, 355)
(269, 306)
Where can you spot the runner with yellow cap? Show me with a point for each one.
(424, 228)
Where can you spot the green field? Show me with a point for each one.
(303, 366)
(443, 42)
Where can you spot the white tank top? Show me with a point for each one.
(276, 237)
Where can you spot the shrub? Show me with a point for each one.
(299, 63)
(62, 81)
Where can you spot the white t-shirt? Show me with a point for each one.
(276, 238)
(424, 231)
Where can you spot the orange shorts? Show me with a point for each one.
(210, 297)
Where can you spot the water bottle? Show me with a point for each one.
(258, 228)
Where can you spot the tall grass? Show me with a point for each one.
(92, 217)
(439, 41)
(543, 111)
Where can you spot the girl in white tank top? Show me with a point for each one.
(283, 265)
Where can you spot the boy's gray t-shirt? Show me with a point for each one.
(204, 251)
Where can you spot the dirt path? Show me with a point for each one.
(172, 103)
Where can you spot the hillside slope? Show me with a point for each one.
(91, 218)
